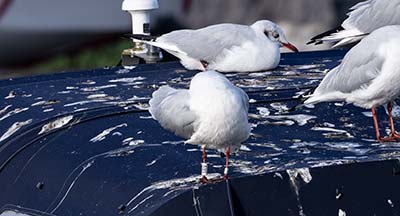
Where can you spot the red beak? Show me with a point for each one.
(290, 47)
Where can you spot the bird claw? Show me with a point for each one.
(391, 138)
(226, 177)
(395, 135)
(204, 180)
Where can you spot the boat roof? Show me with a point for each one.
(68, 138)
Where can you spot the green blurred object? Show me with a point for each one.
(105, 55)
(102, 56)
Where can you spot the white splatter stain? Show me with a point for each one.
(64, 92)
(71, 87)
(252, 101)
(390, 203)
(103, 134)
(13, 213)
(332, 130)
(309, 106)
(306, 176)
(5, 109)
(117, 134)
(10, 95)
(142, 106)
(278, 175)
(132, 142)
(263, 111)
(14, 128)
(146, 117)
(327, 124)
(174, 184)
(58, 123)
(279, 107)
(93, 96)
(341, 213)
(97, 88)
(45, 102)
(48, 110)
(300, 119)
(339, 104)
(90, 101)
(154, 161)
(174, 142)
(136, 98)
(130, 67)
(367, 114)
(244, 148)
(87, 82)
(13, 112)
(304, 173)
(39, 103)
(127, 80)
(307, 67)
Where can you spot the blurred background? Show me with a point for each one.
(45, 36)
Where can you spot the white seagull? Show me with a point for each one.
(369, 76)
(225, 47)
(364, 18)
(212, 113)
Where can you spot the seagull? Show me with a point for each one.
(368, 76)
(212, 113)
(225, 47)
(363, 18)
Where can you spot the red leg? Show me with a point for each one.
(204, 155)
(378, 135)
(393, 132)
(390, 108)
(227, 153)
(392, 137)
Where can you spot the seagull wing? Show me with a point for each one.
(372, 14)
(170, 107)
(359, 67)
(207, 43)
(363, 18)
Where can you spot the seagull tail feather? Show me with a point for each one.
(141, 37)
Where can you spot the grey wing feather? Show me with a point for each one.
(245, 99)
(373, 14)
(170, 107)
(208, 43)
(358, 68)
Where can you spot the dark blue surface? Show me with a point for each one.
(136, 166)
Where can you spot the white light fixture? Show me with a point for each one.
(140, 11)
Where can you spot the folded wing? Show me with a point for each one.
(170, 107)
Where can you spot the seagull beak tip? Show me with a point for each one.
(290, 47)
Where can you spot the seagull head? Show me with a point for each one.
(274, 33)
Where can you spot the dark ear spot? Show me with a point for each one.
(266, 33)
(204, 63)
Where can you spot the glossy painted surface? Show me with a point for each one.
(83, 143)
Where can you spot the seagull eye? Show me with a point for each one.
(275, 34)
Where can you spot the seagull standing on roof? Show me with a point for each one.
(226, 47)
(364, 18)
(212, 113)
(369, 76)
